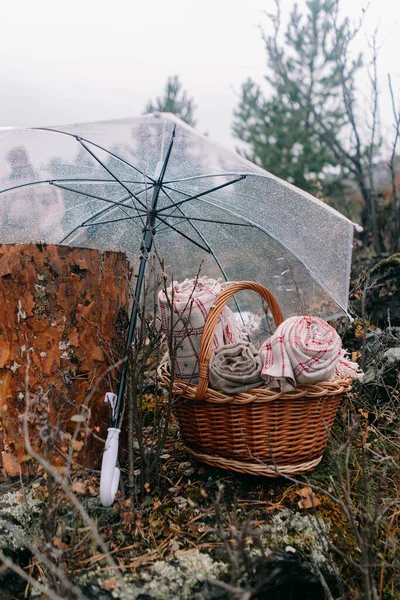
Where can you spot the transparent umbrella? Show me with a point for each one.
(118, 185)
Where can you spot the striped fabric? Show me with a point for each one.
(304, 350)
(191, 301)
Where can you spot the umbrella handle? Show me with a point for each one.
(110, 473)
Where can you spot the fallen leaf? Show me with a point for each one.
(109, 585)
(78, 487)
(127, 516)
(58, 543)
(180, 500)
(184, 465)
(308, 498)
(204, 529)
(311, 502)
(359, 331)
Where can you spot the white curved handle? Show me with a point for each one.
(110, 473)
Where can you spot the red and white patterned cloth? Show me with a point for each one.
(191, 301)
(304, 350)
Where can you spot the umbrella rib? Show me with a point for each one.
(187, 218)
(228, 210)
(78, 138)
(115, 203)
(87, 224)
(96, 158)
(280, 242)
(269, 177)
(140, 213)
(97, 180)
(214, 189)
(171, 200)
(52, 182)
(31, 183)
(100, 212)
(209, 176)
(176, 208)
(166, 226)
(21, 185)
(183, 216)
(211, 251)
(206, 249)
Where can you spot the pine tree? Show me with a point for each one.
(175, 100)
(287, 133)
(278, 139)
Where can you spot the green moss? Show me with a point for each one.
(392, 260)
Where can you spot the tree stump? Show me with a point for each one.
(62, 329)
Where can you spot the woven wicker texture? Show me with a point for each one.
(262, 432)
(256, 468)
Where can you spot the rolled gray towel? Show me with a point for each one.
(235, 368)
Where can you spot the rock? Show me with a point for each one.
(392, 355)
(294, 578)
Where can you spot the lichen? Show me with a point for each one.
(305, 533)
(178, 581)
(182, 578)
(22, 514)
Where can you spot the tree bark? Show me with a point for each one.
(65, 308)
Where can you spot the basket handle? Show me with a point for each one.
(213, 316)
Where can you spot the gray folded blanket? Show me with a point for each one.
(235, 368)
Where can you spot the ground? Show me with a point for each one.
(195, 525)
(195, 532)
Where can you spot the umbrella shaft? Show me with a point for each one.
(145, 249)
(147, 244)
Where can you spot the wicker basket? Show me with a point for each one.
(261, 432)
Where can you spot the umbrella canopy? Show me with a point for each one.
(94, 185)
(118, 185)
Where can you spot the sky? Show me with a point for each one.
(88, 60)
